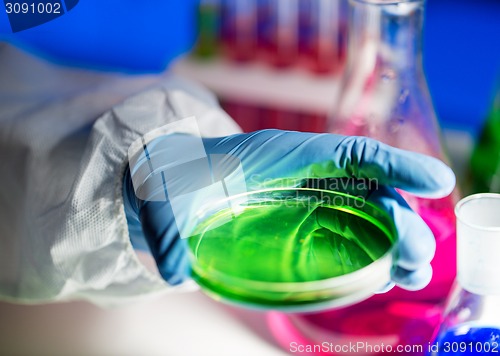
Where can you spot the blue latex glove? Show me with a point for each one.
(272, 156)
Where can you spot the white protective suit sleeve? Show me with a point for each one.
(64, 136)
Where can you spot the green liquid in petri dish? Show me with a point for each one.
(279, 243)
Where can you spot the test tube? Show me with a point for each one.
(323, 32)
(279, 34)
(239, 29)
(263, 21)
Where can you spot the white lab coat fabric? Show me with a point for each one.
(64, 136)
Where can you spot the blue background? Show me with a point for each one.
(123, 35)
(462, 59)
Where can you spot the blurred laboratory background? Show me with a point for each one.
(461, 54)
(283, 64)
(279, 64)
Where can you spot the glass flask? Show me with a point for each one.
(471, 322)
(384, 95)
(485, 161)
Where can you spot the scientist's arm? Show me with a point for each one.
(64, 136)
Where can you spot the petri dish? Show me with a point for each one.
(293, 250)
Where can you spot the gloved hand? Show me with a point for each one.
(271, 156)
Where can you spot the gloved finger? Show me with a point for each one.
(275, 154)
(412, 280)
(416, 242)
(365, 158)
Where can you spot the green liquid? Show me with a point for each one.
(270, 242)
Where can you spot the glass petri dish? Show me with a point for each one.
(292, 250)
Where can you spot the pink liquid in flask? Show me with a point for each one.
(398, 317)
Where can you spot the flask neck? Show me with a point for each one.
(384, 92)
(386, 34)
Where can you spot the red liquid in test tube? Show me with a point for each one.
(239, 29)
(278, 32)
